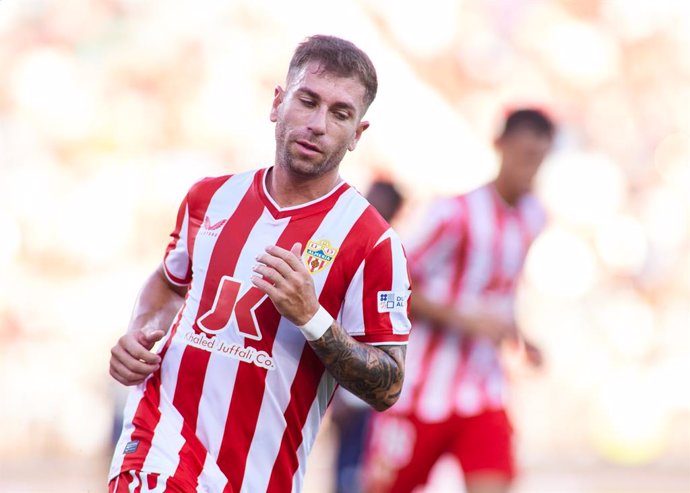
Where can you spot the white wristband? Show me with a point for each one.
(317, 326)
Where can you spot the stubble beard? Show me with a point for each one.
(304, 168)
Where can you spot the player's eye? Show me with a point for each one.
(309, 103)
(341, 115)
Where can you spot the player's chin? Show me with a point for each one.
(307, 169)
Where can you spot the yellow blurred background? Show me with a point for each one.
(111, 109)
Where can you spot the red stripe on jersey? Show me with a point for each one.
(196, 202)
(351, 253)
(192, 371)
(303, 392)
(527, 238)
(144, 422)
(463, 247)
(497, 282)
(137, 489)
(418, 253)
(376, 338)
(456, 287)
(423, 373)
(250, 382)
(378, 276)
(152, 480)
(148, 414)
(203, 193)
(120, 483)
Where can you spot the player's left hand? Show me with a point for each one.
(284, 278)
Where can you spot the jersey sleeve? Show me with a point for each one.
(438, 238)
(376, 307)
(177, 261)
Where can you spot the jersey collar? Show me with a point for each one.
(315, 206)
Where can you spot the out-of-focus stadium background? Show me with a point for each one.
(110, 109)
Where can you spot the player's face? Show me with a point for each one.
(318, 119)
(522, 154)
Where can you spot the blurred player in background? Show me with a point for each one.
(268, 296)
(349, 414)
(465, 265)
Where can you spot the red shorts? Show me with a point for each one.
(142, 482)
(402, 450)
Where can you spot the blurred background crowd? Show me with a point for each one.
(111, 109)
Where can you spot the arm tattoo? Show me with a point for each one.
(373, 373)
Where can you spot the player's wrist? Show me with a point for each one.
(317, 325)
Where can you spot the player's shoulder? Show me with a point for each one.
(448, 209)
(533, 210)
(482, 192)
(531, 202)
(370, 223)
(370, 229)
(211, 184)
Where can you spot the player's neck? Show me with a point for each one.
(289, 190)
(506, 193)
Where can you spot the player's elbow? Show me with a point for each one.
(389, 398)
(384, 405)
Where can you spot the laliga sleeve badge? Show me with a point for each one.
(318, 255)
(392, 301)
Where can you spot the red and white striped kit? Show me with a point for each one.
(240, 395)
(471, 250)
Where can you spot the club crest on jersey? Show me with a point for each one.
(318, 255)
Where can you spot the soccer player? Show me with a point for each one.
(465, 267)
(278, 285)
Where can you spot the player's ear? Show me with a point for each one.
(278, 95)
(363, 125)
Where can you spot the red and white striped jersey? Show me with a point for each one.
(238, 400)
(470, 252)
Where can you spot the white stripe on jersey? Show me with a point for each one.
(434, 404)
(311, 427)
(211, 478)
(177, 262)
(420, 338)
(513, 248)
(481, 233)
(133, 399)
(399, 320)
(167, 438)
(351, 317)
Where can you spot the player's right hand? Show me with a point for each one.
(131, 360)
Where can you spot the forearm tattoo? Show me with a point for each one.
(373, 373)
